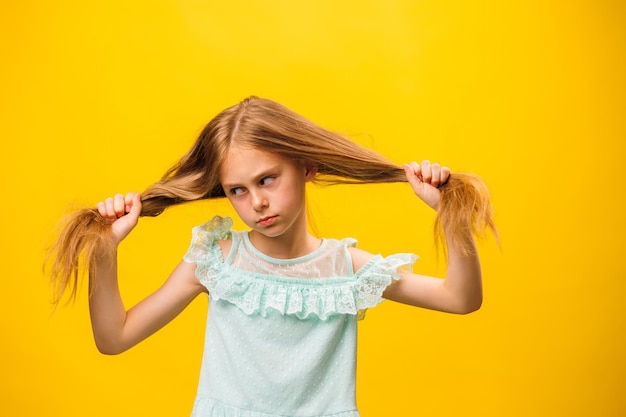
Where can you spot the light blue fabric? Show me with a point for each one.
(281, 334)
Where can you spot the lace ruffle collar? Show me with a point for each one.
(307, 297)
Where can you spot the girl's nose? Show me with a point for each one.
(258, 200)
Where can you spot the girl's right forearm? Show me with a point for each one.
(107, 311)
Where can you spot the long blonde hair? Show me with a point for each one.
(464, 209)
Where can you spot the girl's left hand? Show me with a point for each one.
(425, 178)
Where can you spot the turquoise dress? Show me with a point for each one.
(281, 333)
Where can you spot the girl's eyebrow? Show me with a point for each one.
(265, 173)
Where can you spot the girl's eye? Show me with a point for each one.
(266, 180)
(236, 191)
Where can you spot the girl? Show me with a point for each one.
(281, 333)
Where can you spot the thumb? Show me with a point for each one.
(133, 208)
(125, 224)
(412, 172)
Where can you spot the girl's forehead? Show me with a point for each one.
(244, 161)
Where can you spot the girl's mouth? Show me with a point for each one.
(266, 221)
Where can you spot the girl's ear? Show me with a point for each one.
(310, 173)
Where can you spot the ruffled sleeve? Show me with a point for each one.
(375, 276)
(203, 250)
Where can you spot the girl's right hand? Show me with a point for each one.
(123, 213)
(426, 178)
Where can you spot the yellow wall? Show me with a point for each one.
(101, 97)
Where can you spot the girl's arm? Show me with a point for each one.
(461, 291)
(115, 329)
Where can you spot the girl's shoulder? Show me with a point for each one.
(358, 257)
(366, 264)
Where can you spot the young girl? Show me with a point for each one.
(281, 332)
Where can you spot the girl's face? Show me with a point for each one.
(266, 191)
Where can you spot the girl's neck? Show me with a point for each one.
(287, 246)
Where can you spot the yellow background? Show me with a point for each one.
(101, 97)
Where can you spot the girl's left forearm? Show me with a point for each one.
(464, 277)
